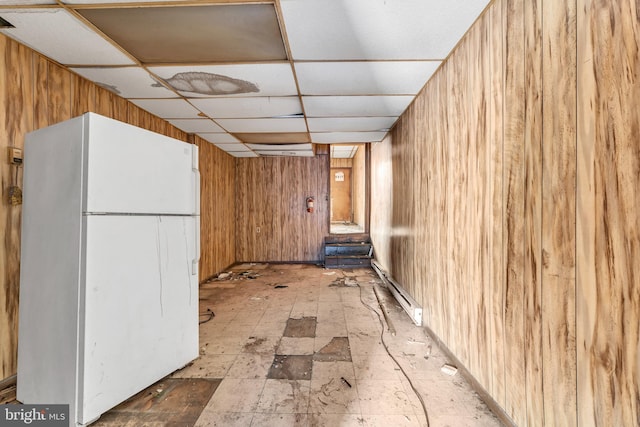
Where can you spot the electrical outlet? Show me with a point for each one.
(15, 156)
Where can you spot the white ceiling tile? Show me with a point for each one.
(168, 108)
(219, 138)
(350, 124)
(128, 82)
(286, 153)
(364, 78)
(252, 107)
(344, 151)
(263, 125)
(339, 137)
(243, 154)
(355, 106)
(58, 35)
(233, 147)
(256, 79)
(196, 125)
(377, 29)
(281, 147)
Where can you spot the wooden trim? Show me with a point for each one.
(367, 187)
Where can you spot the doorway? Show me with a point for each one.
(348, 178)
(341, 203)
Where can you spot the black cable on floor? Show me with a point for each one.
(207, 313)
(384, 344)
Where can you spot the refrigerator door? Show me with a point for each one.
(132, 170)
(140, 304)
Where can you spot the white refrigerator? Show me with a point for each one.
(109, 267)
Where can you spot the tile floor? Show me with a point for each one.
(279, 372)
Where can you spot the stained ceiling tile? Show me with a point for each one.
(253, 107)
(168, 108)
(196, 125)
(364, 78)
(263, 125)
(350, 124)
(193, 34)
(219, 138)
(230, 80)
(377, 29)
(337, 137)
(128, 82)
(353, 106)
(58, 35)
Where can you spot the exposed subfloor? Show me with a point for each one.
(293, 345)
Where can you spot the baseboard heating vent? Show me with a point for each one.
(405, 300)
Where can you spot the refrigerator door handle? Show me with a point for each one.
(196, 175)
(196, 197)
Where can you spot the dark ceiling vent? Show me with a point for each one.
(5, 24)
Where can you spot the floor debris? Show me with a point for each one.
(449, 369)
(344, 282)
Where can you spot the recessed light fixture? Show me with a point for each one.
(5, 24)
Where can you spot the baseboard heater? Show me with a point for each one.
(405, 300)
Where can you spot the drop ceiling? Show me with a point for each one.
(266, 78)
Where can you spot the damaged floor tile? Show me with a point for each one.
(337, 350)
(300, 328)
(291, 367)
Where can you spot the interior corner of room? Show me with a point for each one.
(503, 200)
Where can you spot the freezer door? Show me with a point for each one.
(140, 306)
(132, 170)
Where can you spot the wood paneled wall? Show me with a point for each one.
(272, 223)
(608, 204)
(34, 93)
(217, 209)
(506, 202)
(341, 163)
(358, 180)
